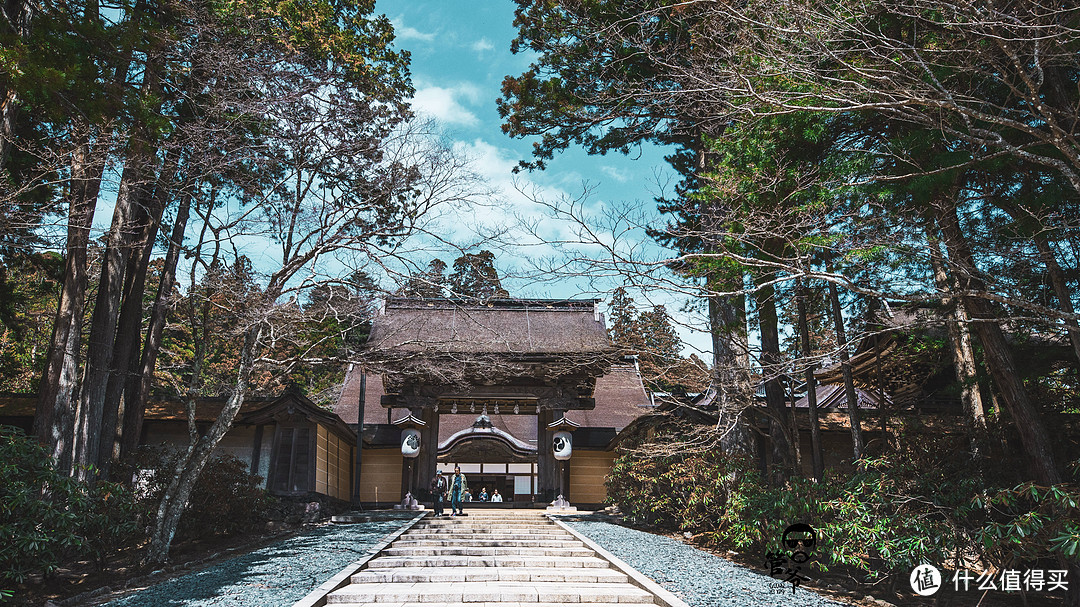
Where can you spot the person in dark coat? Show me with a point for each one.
(438, 492)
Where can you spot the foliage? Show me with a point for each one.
(28, 289)
(47, 518)
(475, 276)
(650, 335)
(227, 500)
(920, 504)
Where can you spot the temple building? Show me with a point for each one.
(487, 387)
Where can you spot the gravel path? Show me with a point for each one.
(697, 577)
(275, 576)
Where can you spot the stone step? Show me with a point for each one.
(485, 551)
(409, 541)
(477, 604)
(493, 592)
(495, 530)
(589, 575)
(483, 524)
(424, 535)
(387, 562)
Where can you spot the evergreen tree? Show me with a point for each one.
(475, 277)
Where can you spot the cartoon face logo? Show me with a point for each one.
(800, 538)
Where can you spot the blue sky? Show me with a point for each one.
(460, 55)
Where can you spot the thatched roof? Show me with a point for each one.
(620, 398)
(499, 326)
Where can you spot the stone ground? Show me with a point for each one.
(277, 575)
(282, 573)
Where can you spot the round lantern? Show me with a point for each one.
(561, 446)
(410, 442)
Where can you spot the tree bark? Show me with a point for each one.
(176, 495)
(775, 398)
(854, 415)
(54, 417)
(137, 389)
(998, 357)
(811, 384)
(963, 353)
(125, 357)
(1061, 290)
(91, 411)
(18, 14)
(1053, 269)
(96, 420)
(728, 327)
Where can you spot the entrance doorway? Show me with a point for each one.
(516, 482)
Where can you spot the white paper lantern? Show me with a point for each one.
(561, 446)
(410, 442)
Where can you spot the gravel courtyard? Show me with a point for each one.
(275, 576)
(282, 573)
(697, 577)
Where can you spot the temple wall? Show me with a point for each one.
(332, 465)
(381, 469)
(588, 470)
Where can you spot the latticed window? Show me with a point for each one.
(292, 459)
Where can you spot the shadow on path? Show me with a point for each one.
(277, 575)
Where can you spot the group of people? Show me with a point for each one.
(458, 489)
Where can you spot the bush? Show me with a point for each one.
(227, 498)
(47, 518)
(920, 504)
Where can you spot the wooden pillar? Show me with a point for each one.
(546, 471)
(358, 462)
(429, 449)
(565, 490)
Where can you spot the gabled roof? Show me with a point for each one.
(619, 395)
(498, 326)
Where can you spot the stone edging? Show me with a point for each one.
(317, 597)
(663, 596)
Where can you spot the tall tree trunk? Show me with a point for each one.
(200, 450)
(796, 440)
(129, 328)
(963, 354)
(858, 444)
(91, 410)
(998, 357)
(54, 418)
(811, 383)
(1053, 269)
(1061, 290)
(18, 14)
(137, 390)
(765, 296)
(96, 420)
(728, 328)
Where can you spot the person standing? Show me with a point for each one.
(495, 497)
(458, 488)
(438, 492)
(483, 497)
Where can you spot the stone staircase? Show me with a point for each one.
(507, 557)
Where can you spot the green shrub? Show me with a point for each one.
(47, 518)
(919, 504)
(227, 498)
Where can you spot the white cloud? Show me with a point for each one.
(403, 32)
(621, 176)
(444, 104)
(483, 45)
